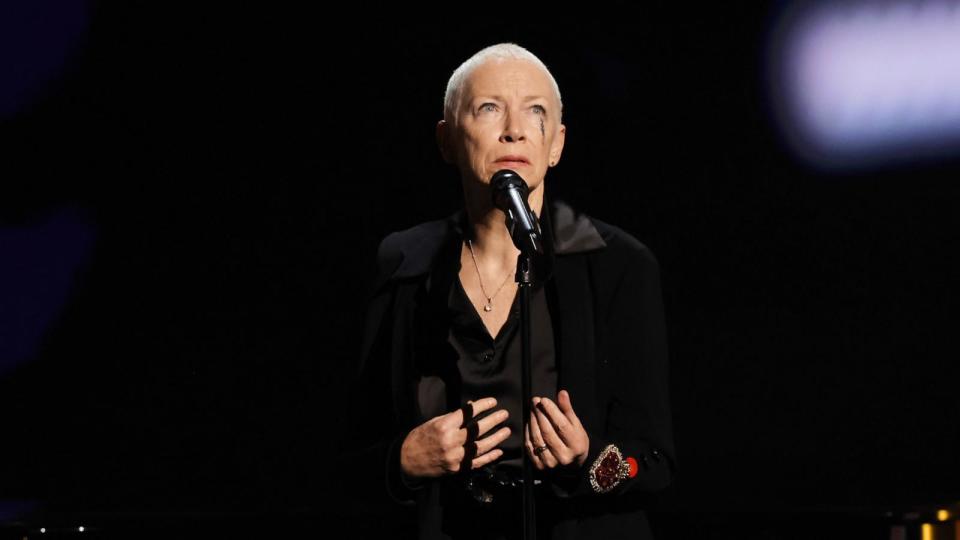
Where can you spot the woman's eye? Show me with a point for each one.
(485, 106)
(540, 109)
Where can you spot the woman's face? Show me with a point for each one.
(508, 118)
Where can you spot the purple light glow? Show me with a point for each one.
(39, 265)
(867, 81)
(38, 39)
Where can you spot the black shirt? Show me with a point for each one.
(470, 364)
(491, 366)
(478, 365)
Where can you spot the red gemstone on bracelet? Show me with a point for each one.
(633, 466)
(607, 471)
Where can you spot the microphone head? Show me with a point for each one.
(510, 193)
(506, 179)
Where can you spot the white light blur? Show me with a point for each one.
(80, 528)
(869, 81)
(43, 530)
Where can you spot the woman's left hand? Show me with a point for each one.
(557, 427)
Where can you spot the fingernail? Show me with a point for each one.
(536, 400)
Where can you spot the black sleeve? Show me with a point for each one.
(370, 455)
(639, 423)
(376, 442)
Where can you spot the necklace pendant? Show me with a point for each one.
(488, 307)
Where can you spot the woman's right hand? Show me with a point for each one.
(445, 444)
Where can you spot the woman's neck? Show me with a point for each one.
(492, 245)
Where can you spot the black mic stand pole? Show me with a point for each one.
(508, 190)
(525, 280)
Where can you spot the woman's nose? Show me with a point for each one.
(512, 130)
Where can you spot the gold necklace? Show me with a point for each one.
(489, 306)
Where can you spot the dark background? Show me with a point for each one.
(192, 197)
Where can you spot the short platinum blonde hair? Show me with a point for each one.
(500, 51)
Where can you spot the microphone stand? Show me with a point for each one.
(524, 279)
(510, 194)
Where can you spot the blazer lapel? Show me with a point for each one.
(576, 358)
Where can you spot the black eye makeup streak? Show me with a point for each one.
(542, 132)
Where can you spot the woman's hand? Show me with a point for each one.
(559, 429)
(445, 444)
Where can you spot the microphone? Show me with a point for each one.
(510, 194)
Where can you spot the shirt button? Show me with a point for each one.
(487, 356)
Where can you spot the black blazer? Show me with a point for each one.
(611, 356)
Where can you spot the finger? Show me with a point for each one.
(534, 458)
(486, 444)
(535, 436)
(471, 409)
(488, 422)
(468, 451)
(474, 430)
(555, 445)
(483, 404)
(563, 400)
(549, 462)
(473, 448)
(558, 422)
(487, 458)
(538, 440)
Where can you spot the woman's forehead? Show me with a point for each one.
(506, 78)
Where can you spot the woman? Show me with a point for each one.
(437, 424)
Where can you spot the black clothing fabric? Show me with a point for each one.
(602, 291)
(489, 365)
(492, 367)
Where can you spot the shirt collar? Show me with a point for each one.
(565, 231)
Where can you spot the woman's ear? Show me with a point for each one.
(556, 148)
